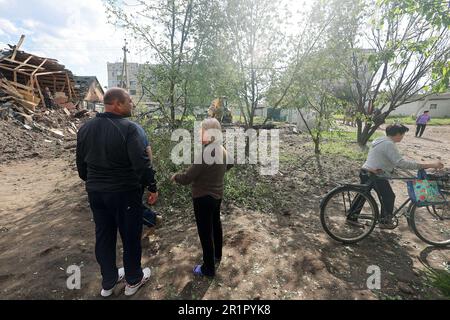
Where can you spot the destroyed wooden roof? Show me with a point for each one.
(25, 76)
(19, 66)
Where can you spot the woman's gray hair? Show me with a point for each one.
(211, 123)
(212, 128)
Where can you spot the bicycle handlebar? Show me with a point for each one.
(444, 177)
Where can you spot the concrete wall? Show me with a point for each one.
(441, 108)
(407, 109)
(438, 107)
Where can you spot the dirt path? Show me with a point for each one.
(46, 226)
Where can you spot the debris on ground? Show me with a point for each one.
(33, 118)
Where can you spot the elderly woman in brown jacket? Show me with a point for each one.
(207, 182)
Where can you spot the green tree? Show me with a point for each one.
(313, 93)
(313, 83)
(390, 64)
(257, 48)
(302, 47)
(436, 12)
(175, 34)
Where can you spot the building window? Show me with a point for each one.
(433, 106)
(133, 92)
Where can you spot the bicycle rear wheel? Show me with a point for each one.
(431, 224)
(348, 202)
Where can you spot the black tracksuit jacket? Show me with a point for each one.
(111, 155)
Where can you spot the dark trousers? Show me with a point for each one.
(385, 194)
(122, 211)
(420, 129)
(209, 226)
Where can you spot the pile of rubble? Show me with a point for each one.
(34, 119)
(43, 133)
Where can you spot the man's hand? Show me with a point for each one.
(376, 171)
(152, 198)
(434, 165)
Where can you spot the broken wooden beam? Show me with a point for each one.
(40, 93)
(24, 64)
(17, 47)
(69, 87)
(21, 64)
(40, 66)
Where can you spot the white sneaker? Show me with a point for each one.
(108, 293)
(131, 290)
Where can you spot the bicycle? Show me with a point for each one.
(430, 223)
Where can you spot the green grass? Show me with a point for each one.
(384, 296)
(242, 188)
(412, 121)
(439, 279)
(258, 120)
(339, 148)
(288, 158)
(343, 143)
(349, 136)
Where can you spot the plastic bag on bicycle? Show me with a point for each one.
(424, 192)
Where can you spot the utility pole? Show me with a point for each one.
(125, 83)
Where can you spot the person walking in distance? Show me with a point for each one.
(421, 123)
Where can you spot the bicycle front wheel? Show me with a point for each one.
(348, 214)
(431, 224)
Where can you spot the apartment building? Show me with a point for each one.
(115, 78)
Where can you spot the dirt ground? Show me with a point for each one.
(46, 226)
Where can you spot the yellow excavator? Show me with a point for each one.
(219, 110)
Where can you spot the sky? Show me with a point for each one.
(75, 32)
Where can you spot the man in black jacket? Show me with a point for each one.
(111, 158)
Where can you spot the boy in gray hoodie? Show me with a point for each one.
(383, 158)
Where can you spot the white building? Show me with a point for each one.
(437, 104)
(115, 78)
